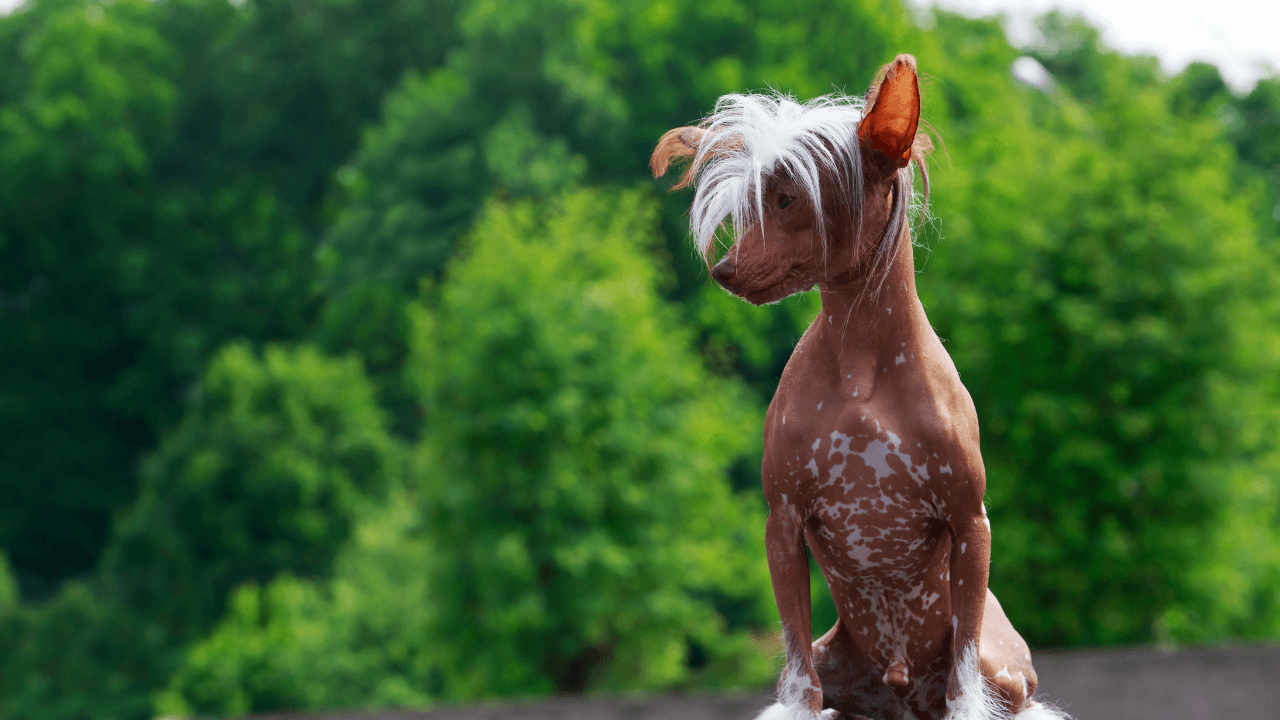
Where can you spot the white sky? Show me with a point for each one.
(1241, 37)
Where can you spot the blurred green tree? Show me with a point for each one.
(163, 170)
(1102, 286)
(274, 95)
(365, 638)
(1257, 131)
(77, 657)
(86, 91)
(573, 467)
(510, 112)
(266, 475)
(278, 92)
(263, 476)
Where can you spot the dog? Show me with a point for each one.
(871, 452)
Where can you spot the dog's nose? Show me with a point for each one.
(723, 271)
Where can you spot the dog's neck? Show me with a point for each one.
(865, 324)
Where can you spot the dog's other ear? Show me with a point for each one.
(891, 124)
(682, 142)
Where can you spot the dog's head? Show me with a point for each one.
(815, 191)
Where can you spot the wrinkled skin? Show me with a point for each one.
(871, 458)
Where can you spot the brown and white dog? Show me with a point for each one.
(871, 454)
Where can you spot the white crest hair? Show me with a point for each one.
(751, 137)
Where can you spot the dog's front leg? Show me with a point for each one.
(799, 690)
(968, 697)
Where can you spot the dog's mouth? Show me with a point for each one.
(789, 284)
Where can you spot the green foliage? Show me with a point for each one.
(672, 60)
(163, 167)
(617, 584)
(1254, 121)
(1258, 132)
(77, 657)
(510, 112)
(362, 639)
(278, 91)
(87, 96)
(10, 595)
(1102, 288)
(263, 476)
(573, 467)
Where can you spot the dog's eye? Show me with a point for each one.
(784, 201)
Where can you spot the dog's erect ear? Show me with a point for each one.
(890, 126)
(682, 142)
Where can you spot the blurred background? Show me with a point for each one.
(350, 358)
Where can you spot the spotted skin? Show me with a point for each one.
(885, 491)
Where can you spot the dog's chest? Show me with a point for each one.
(870, 494)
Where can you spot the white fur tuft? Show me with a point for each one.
(1040, 711)
(752, 136)
(975, 701)
(791, 703)
(778, 711)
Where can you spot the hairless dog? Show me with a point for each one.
(871, 453)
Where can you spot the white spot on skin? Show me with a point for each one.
(819, 406)
(945, 469)
(890, 310)
(962, 547)
(860, 553)
(816, 443)
(784, 419)
(875, 455)
(1004, 673)
(855, 391)
(900, 359)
